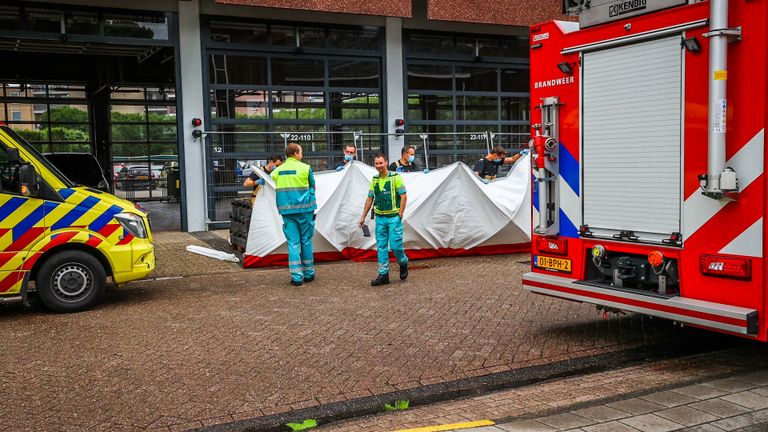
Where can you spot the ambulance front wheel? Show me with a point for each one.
(70, 281)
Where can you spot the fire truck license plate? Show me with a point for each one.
(556, 264)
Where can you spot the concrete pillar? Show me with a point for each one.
(192, 106)
(394, 84)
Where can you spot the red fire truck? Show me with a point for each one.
(648, 120)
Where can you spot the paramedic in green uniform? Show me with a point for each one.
(388, 198)
(295, 190)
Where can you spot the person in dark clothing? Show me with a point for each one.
(350, 151)
(407, 161)
(274, 161)
(254, 181)
(487, 167)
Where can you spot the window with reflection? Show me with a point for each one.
(430, 44)
(473, 108)
(144, 140)
(285, 37)
(239, 33)
(143, 27)
(321, 96)
(50, 117)
(353, 73)
(10, 17)
(430, 107)
(515, 108)
(298, 72)
(466, 47)
(467, 92)
(359, 106)
(290, 105)
(515, 80)
(87, 22)
(237, 69)
(477, 79)
(43, 20)
(312, 37)
(83, 23)
(240, 104)
(430, 77)
(364, 39)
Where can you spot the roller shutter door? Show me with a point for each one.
(632, 138)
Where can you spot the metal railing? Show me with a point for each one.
(227, 154)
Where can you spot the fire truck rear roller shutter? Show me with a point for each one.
(631, 143)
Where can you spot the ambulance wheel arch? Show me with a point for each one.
(71, 277)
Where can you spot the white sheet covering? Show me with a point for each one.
(450, 211)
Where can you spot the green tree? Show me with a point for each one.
(69, 124)
(67, 114)
(128, 132)
(33, 135)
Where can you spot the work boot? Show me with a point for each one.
(382, 279)
(403, 271)
(295, 283)
(309, 278)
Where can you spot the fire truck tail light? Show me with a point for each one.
(656, 259)
(552, 245)
(726, 266)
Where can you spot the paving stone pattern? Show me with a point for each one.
(174, 260)
(653, 394)
(739, 404)
(211, 349)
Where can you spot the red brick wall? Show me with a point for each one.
(510, 12)
(398, 8)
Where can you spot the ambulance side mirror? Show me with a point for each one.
(28, 184)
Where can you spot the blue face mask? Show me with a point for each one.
(411, 159)
(348, 157)
(497, 160)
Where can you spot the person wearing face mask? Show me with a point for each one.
(487, 167)
(407, 161)
(350, 151)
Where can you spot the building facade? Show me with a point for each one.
(124, 80)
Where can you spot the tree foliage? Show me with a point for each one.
(70, 126)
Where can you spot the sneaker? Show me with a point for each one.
(382, 279)
(295, 283)
(403, 271)
(309, 279)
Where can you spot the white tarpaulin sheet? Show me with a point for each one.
(449, 212)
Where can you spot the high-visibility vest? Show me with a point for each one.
(295, 187)
(386, 199)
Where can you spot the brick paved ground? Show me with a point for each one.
(524, 408)
(174, 260)
(179, 354)
(737, 403)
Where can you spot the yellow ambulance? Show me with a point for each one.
(65, 238)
